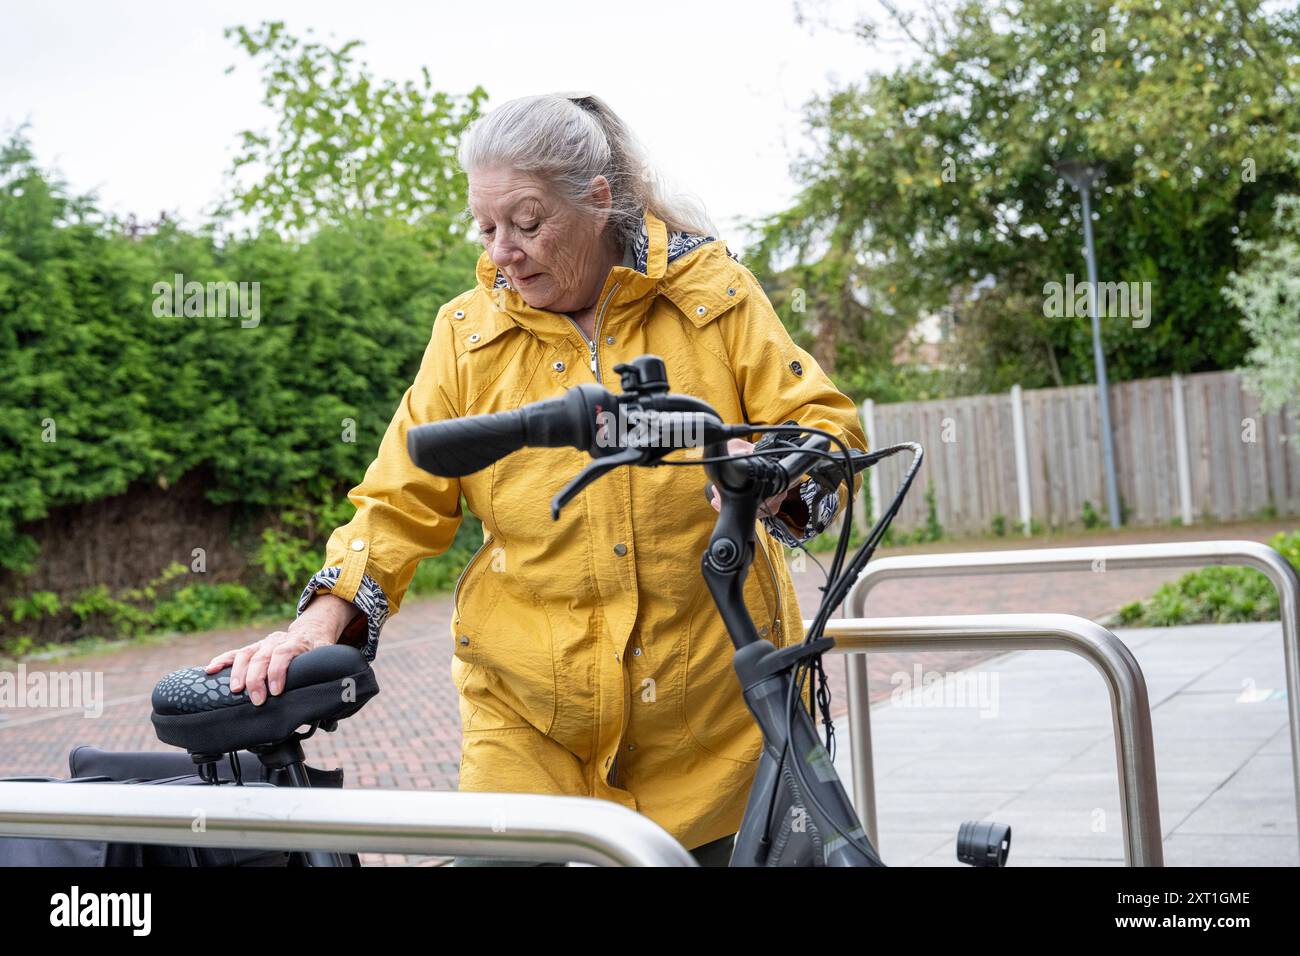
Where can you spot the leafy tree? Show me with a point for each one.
(933, 187)
(1267, 292)
(347, 143)
(103, 388)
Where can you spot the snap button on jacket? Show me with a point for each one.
(588, 653)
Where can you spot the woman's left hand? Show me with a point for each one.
(769, 508)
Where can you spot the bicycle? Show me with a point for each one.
(791, 818)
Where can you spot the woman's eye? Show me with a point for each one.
(529, 226)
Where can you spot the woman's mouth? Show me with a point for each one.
(524, 280)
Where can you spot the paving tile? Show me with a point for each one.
(1218, 849)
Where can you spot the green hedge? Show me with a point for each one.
(100, 390)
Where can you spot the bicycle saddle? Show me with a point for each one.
(196, 710)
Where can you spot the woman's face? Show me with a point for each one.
(551, 252)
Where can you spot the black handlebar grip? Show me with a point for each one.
(461, 446)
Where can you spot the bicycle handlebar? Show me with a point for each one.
(461, 446)
(591, 418)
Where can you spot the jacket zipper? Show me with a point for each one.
(591, 343)
(455, 593)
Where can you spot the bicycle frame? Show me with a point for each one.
(783, 825)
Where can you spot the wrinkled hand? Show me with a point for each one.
(769, 508)
(262, 665)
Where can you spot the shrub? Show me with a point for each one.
(1216, 595)
(101, 391)
(201, 607)
(104, 388)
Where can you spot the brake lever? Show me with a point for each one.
(595, 468)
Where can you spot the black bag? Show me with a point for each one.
(91, 765)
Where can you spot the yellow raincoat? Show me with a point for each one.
(587, 651)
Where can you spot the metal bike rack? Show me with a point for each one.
(1130, 709)
(1192, 554)
(508, 825)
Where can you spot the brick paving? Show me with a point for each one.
(409, 736)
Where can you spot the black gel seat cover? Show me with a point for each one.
(196, 710)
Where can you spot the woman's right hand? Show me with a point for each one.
(261, 666)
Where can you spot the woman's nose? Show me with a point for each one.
(504, 252)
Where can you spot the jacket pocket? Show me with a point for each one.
(510, 681)
(465, 572)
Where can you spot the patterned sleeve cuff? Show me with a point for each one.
(819, 507)
(370, 600)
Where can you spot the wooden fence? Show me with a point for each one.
(1215, 457)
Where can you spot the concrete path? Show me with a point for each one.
(1026, 739)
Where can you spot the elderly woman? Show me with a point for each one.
(587, 652)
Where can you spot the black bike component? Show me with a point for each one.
(287, 756)
(597, 468)
(794, 465)
(827, 473)
(85, 761)
(787, 657)
(983, 843)
(206, 767)
(457, 447)
(725, 563)
(153, 768)
(197, 711)
(639, 427)
(645, 375)
(744, 483)
(792, 818)
(805, 804)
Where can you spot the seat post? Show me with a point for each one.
(286, 755)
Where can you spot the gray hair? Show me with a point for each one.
(569, 140)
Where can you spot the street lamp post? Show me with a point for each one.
(1081, 176)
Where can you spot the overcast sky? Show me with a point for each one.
(131, 99)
